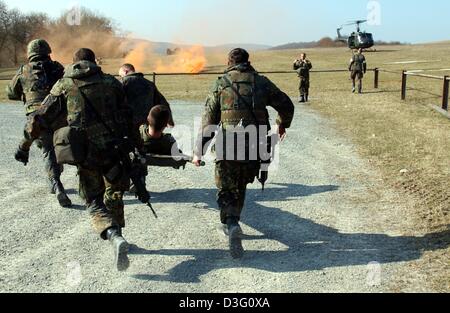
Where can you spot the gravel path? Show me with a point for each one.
(325, 223)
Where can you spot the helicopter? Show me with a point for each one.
(359, 39)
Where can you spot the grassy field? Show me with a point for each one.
(406, 140)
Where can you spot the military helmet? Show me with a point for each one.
(38, 47)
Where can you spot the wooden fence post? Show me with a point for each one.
(376, 74)
(445, 93)
(404, 78)
(154, 78)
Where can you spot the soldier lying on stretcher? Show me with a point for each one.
(161, 149)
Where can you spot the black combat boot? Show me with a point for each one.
(235, 238)
(302, 99)
(22, 156)
(307, 98)
(60, 192)
(120, 247)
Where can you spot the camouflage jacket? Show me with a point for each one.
(358, 63)
(303, 68)
(165, 145)
(33, 82)
(105, 94)
(224, 107)
(142, 95)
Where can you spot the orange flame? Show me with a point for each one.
(190, 60)
(138, 55)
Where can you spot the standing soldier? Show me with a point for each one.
(303, 66)
(32, 84)
(240, 99)
(142, 95)
(358, 67)
(93, 104)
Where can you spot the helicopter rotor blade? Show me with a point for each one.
(356, 22)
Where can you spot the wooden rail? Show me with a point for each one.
(445, 89)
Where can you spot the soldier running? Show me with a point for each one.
(239, 99)
(32, 84)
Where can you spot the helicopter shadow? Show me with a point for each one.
(309, 246)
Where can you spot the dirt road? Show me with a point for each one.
(325, 223)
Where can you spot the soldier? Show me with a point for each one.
(94, 104)
(358, 68)
(303, 66)
(32, 84)
(142, 95)
(239, 99)
(152, 133)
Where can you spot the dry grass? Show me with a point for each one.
(394, 135)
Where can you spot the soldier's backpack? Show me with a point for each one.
(70, 145)
(358, 63)
(37, 81)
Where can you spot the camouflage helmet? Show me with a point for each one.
(38, 47)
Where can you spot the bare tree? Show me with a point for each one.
(17, 29)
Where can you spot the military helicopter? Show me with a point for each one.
(359, 39)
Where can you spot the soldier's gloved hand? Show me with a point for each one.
(197, 161)
(22, 156)
(144, 197)
(139, 156)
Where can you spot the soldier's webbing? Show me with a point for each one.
(94, 110)
(249, 107)
(264, 174)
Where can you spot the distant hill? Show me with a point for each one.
(249, 47)
(161, 47)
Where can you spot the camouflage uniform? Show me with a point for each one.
(104, 200)
(358, 68)
(303, 69)
(32, 84)
(142, 95)
(226, 108)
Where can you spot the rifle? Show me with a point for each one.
(175, 162)
(128, 159)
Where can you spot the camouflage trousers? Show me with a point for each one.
(104, 200)
(232, 179)
(357, 75)
(304, 86)
(45, 143)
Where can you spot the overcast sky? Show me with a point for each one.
(271, 22)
